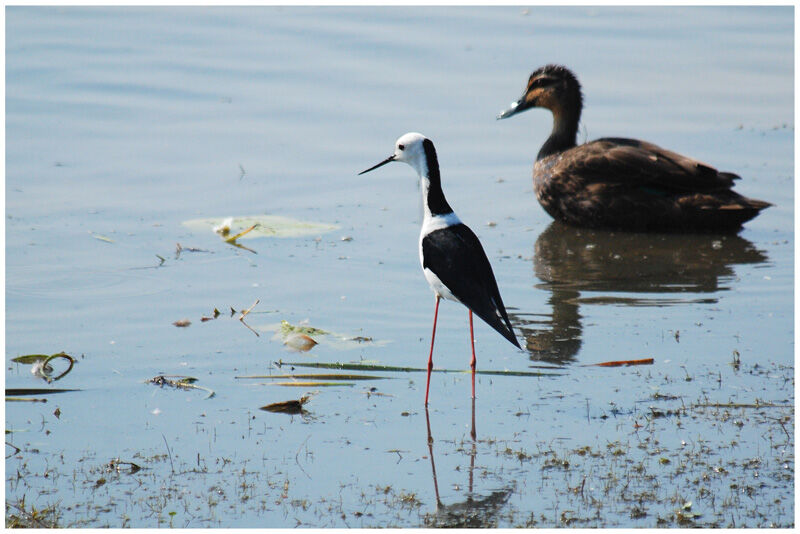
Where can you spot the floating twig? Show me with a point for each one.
(740, 405)
(311, 384)
(389, 368)
(323, 376)
(244, 314)
(102, 238)
(620, 363)
(233, 239)
(248, 310)
(180, 248)
(13, 453)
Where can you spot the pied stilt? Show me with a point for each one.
(452, 258)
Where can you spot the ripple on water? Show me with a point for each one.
(86, 284)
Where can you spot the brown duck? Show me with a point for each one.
(623, 184)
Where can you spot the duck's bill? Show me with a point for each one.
(515, 108)
(381, 164)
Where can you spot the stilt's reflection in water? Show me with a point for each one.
(579, 266)
(475, 511)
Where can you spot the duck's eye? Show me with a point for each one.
(540, 82)
(401, 147)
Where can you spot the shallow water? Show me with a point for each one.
(122, 124)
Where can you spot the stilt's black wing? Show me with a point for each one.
(456, 256)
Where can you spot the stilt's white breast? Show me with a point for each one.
(431, 224)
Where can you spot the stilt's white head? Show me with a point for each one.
(409, 149)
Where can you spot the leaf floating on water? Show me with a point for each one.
(620, 363)
(263, 226)
(324, 337)
(290, 407)
(35, 391)
(288, 328)
(40, 364)
(182, 323)
(30, 358)
(299, 342)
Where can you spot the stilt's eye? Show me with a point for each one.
(401, 147)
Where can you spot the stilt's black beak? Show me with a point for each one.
(382, 163)
(515, 108)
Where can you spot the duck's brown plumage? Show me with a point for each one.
(623, 183)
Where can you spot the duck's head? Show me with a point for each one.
(553, 87)
(410, 148)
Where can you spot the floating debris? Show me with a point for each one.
(180, 248)
(288, 328)
(116, 465)
(224, 228)
(290, 406)
(40, 365)
(389, 368)
(15, 394)
(179, 382)
(311, 384)
(285, 329)
(213, 316)
(299, 342)
(620, 363)
(262, 226)
(320, 376)
(102, 238)
(244, 314)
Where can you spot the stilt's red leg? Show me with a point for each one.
(430, 357)
(474, 360)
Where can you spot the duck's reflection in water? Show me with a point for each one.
(579, 266)
(477, 511)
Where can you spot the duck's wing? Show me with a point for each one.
(630, 162)
(455, 255)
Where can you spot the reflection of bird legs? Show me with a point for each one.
(480, 512)
(474, 436)
(430, 452)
